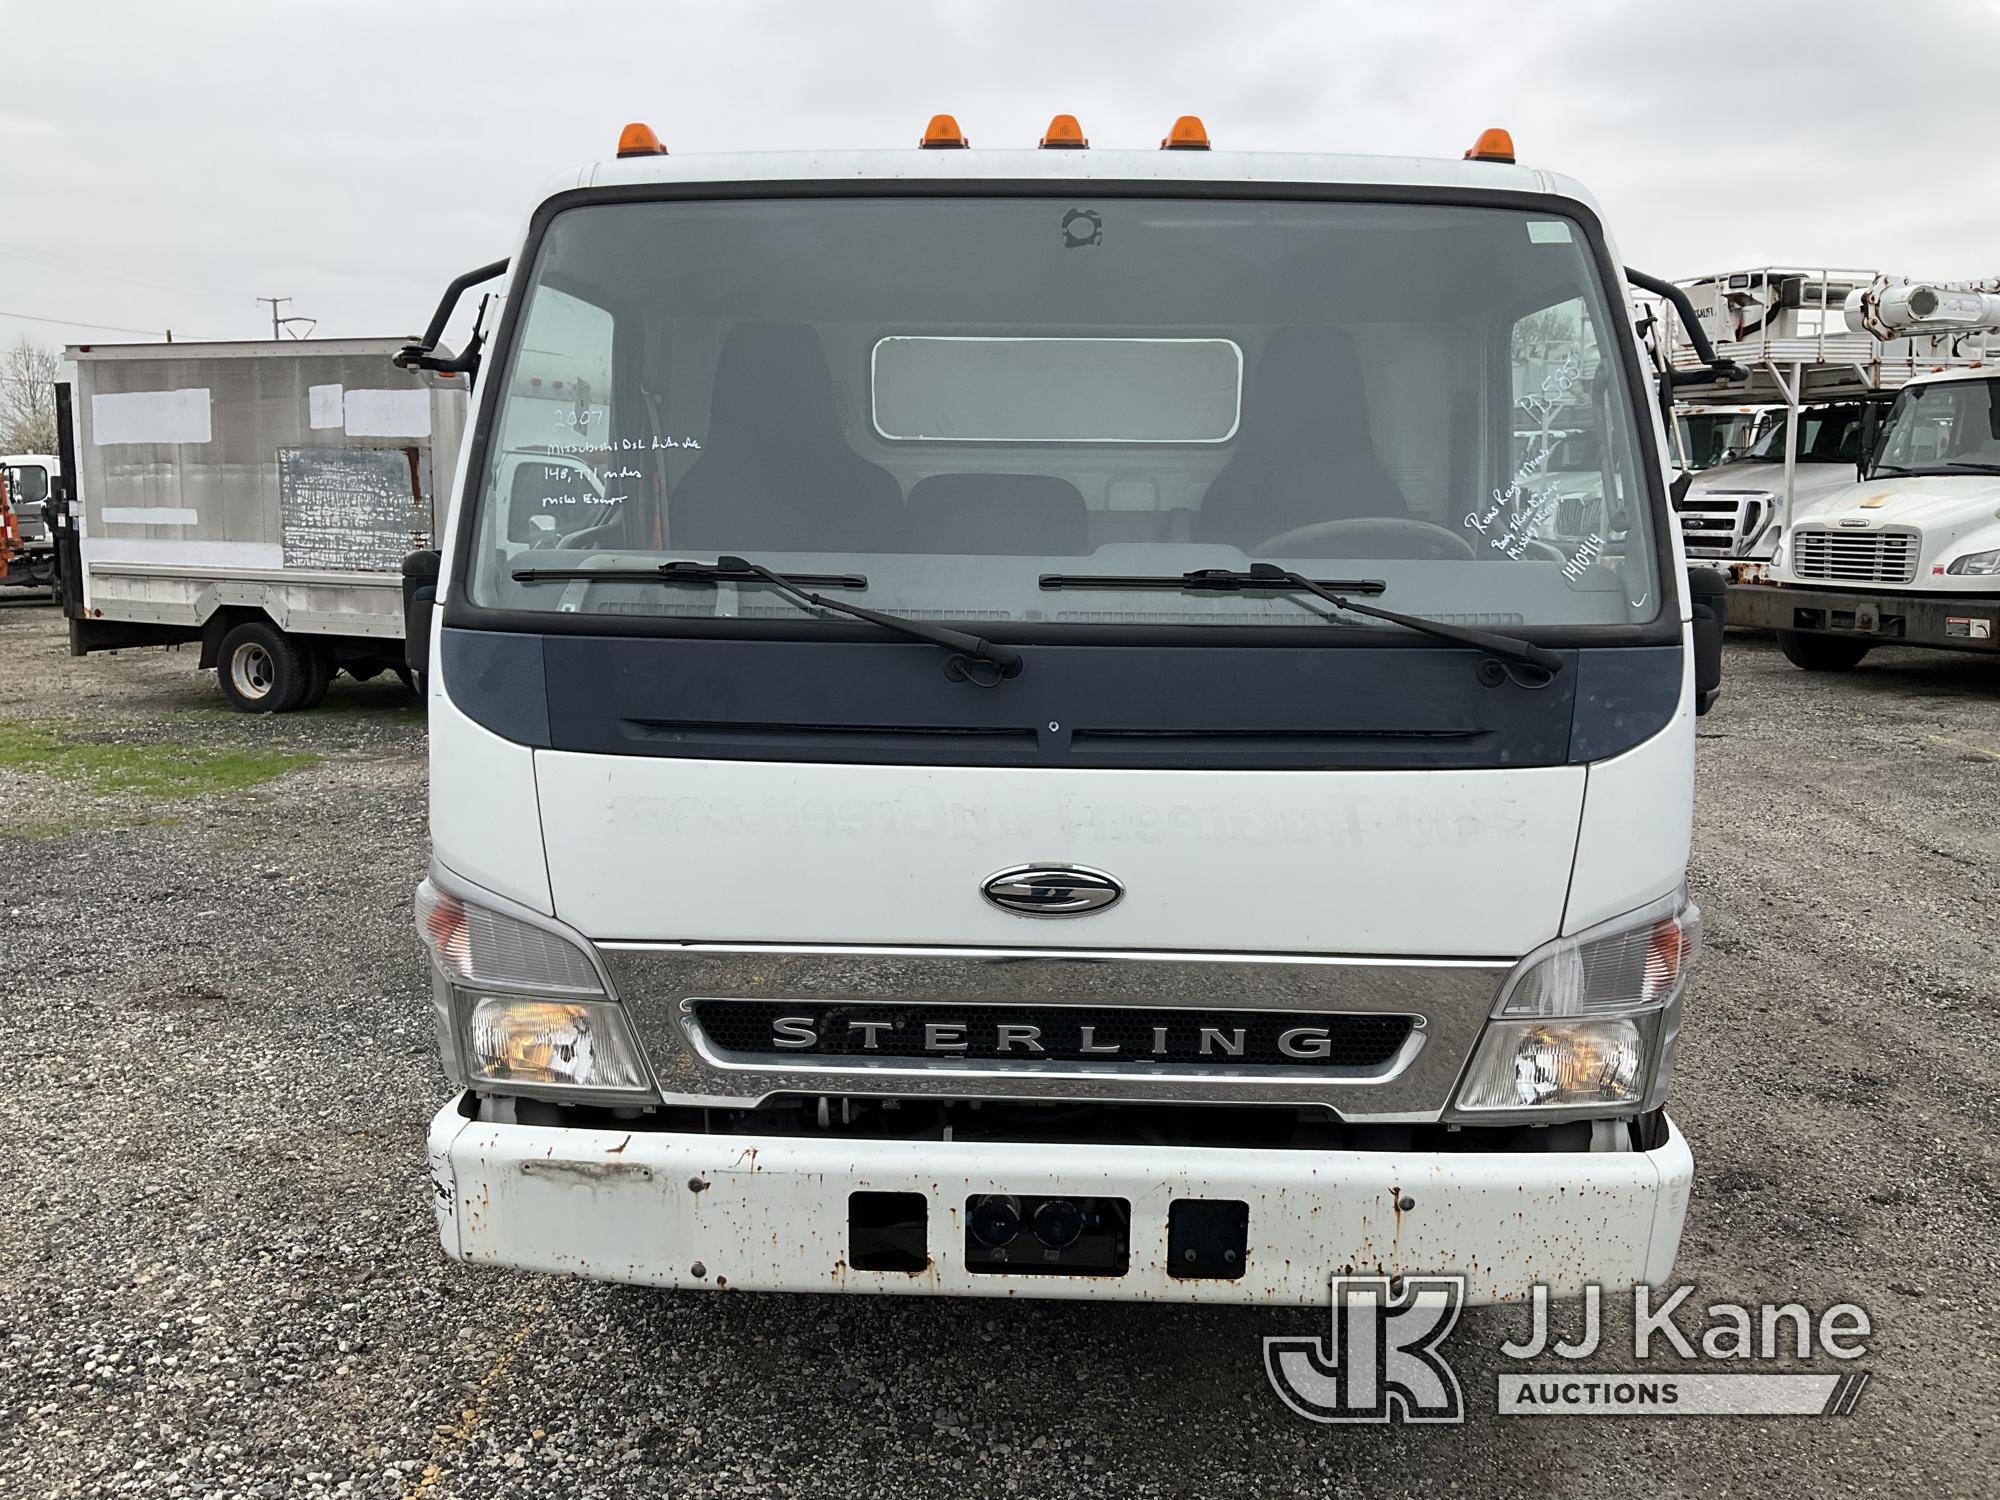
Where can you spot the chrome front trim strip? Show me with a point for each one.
(658, 982)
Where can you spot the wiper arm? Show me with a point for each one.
(1200, 581)
(1005, 660)
(1513, 648)
(1973, 466)
(1271, 578)
(687, 572)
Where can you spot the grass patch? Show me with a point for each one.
(139, 768)
(49, 830)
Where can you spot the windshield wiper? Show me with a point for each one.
(1973, 465)
(1004, 660)
(1200, 581)
(1270, 577)
(691, 572)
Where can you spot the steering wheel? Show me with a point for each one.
(1406, 538)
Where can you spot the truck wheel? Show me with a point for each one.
(319, 673)
(260, 669)
(1822, 653)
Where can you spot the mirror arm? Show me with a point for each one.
(423, 355)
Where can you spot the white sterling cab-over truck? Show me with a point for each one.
(1024, 723)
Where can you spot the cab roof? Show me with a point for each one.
(1988, 371)
(1171, 169)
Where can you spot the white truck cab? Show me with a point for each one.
(1735, 510)
(1026, 723)
(1909, 554)
(27, 550)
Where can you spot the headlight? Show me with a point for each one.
(1586, 1025)
(1557, 1064)
(569, 1044)
(1976, 564)
(522, 1008)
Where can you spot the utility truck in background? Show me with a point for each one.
(256, 499)
(1061, 722)
(1783, 345)
(1909, 554)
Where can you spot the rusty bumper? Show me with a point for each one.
(770, 1213)
(1955, 622)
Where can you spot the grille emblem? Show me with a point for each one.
(1052, 890)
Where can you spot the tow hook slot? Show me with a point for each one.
(1207, 1239)
(888, 1232)
(1047, 1234)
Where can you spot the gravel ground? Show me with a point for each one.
(219, 1274)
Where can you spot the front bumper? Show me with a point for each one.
(770, 1213)
(1890, 617)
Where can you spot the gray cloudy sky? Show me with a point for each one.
(162, 165)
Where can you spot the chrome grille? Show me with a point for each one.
(1854, 556)
(1720, 522)
(1026, 1034)
(706, 1013)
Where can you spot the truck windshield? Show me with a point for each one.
(1942, 427)
(1831, 436)
(955, 395)
(27, 485)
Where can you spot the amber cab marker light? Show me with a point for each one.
(638, 140)
(1493, 145)
(1064, 134)
(943, 134)
(1188, 134)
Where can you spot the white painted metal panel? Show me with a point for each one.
(483, 824)
(1637, 820)
(771, 1214)
(150, 417)
(1430, 863)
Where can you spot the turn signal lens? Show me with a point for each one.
(638, 140)
(943, 134)
(1064, 134)
(1493, 145)
(474, 944)
(1188, 134)
(1635, 963)
(552, 1044)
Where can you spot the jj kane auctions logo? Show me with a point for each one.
(1383, 1358)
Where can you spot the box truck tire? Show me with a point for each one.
(319, 673)
(1822, 653)
(261, 669)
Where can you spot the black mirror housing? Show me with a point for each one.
(1709, 592)
(420, 577)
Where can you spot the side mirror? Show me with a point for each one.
(420, 577)
(1709, 591)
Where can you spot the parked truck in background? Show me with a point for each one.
(1733, 511)
(256, 499)
(1041, 723)
(27, 546)
(1785, 344)
(1908, 553)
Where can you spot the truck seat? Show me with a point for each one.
(1032, 515)
(1305, 452)
(776, 473)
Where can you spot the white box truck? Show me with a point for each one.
(1029, 723)
(256, 498)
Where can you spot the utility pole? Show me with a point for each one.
(278, 323)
